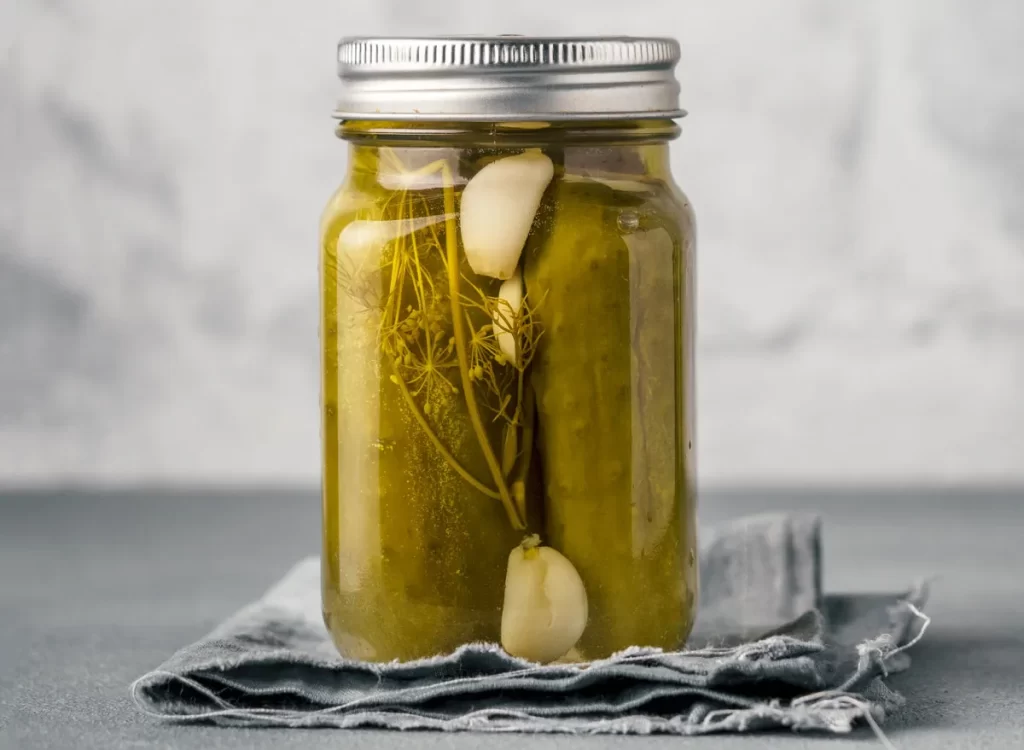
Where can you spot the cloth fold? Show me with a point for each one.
(769, 651)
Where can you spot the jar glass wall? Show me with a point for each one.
(507, 351)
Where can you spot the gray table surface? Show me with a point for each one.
(96, 588)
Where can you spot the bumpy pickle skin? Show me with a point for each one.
(414, 555)
(611, 426)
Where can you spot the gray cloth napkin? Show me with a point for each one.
(769, 651)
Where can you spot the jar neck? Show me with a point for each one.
(508, 134)
(627, 146)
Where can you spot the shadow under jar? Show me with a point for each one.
(507, 350)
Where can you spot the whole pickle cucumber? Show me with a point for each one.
(605, 277)
(414, 556)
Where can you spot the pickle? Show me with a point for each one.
(608, 380)
(414, 550)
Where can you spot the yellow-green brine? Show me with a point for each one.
(507, 279)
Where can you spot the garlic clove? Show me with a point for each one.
(626, 185)
(506, 315)
(363, 238)
(361, 242)
(360, 245)
(545, 608)
(498, 206)
(414, 169)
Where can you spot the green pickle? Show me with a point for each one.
(507, 401)
(607, 381)
(416, 550)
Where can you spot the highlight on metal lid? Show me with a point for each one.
(507, 78)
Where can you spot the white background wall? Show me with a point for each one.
(857, 168)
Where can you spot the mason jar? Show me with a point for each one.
(507, 279)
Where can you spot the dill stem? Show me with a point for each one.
(445, 453)
(527, 414)
(452, 247)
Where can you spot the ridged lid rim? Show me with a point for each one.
(507, 78)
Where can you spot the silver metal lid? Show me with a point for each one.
(507, 78)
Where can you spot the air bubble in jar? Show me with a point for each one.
(628, 221)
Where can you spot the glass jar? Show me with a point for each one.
(507, 349)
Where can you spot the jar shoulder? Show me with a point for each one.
(682, 208)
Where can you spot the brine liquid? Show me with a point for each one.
(591, 426)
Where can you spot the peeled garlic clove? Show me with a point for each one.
(545, 609)
(366, 235)
(506, 315)
(635, 185)
(498, 206)
(361, 243)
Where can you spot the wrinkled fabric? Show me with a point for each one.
(769, 651)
